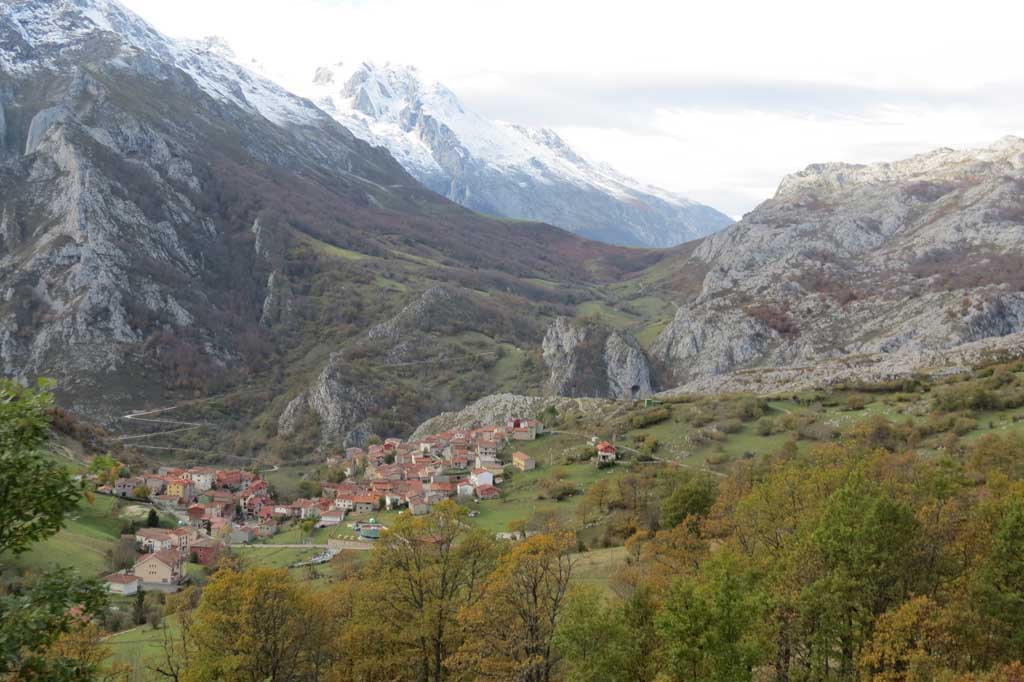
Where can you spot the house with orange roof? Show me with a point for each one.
(306, 509)
(180, 488)
(487, 492)
(523, 462)
(606, 452)
(205, 550)
(365, 503)
(202, 478)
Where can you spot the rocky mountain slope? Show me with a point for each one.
(496, 409)
(500, 168)
(899, 259)
(173, 226)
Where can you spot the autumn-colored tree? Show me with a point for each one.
(671, 553)
(248, 627)
(515, 621)
(84, 645)
(426, 569)
(909, 644)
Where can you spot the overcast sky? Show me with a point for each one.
(717, 100)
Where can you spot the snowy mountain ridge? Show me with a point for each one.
(43, 24)
(498, 167)
(494, 167)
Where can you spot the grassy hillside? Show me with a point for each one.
(90, 534)
(713, 431)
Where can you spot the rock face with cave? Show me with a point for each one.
(586, 358)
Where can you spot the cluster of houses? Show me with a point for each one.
(216, 506)
(417, 474)
(234, 507)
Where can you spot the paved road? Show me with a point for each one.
(351, 544)
(264, 545)
(336, 544)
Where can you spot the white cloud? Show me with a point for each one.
(718, 100)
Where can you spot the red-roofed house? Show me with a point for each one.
(205, 550)
(523, 462)
(365, 503)
(479, 477)
(487, 492)
(305, 509)
(155, 539)
(229, 479)
(606, 452)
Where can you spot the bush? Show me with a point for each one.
(765, 426)
(730, 426)
(719, 458)
(775, 318)
(650, 446)
(856, 402)
(555, 489)
(959, 398)
(749, 409)
(701, 418)
(654, 415)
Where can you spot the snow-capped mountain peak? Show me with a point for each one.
(501, 168)
(36, 34)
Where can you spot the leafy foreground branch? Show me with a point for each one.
(45, 622)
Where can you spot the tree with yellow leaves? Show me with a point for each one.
(515, 621)
(258, 626)
(425, 569)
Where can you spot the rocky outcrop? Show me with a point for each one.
(498, 408)
(278, 304)
(899, 258)
(586, 359)
(437, 305)
(707, 342)
(41, 124)
(340, 407)
(627, 367)
(860, 369)
(561, 349)
(492, 409)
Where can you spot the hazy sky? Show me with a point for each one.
(717, 100)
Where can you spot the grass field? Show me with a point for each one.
(596, 567)
(141, 647)
(280, 557)
(611, 316)
(286, 480)
(83, 544)
(327, 249)
(519, 495)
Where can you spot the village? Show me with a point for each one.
(218, 508)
